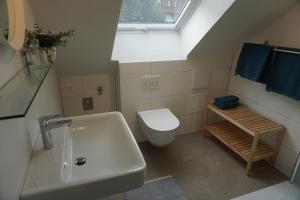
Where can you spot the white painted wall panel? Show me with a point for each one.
(19, 136)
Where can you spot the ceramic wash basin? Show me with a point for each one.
(113, 161)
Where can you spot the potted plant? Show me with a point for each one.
(39, 40)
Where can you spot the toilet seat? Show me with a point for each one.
(160, 119)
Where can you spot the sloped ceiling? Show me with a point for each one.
(243, 19)
(95, 23)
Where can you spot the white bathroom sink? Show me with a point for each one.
(113, 164)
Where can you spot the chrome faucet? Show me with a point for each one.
(46, 125)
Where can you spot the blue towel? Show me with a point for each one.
(253, 60)
(227, 99)
(284, 75)
(225, 106)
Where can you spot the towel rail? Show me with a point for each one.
(287, 51)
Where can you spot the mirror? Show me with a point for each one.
(12, 23)
(3, 21)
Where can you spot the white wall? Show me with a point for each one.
(15, 151)
(89, 51)
(238, 23)
(19, 136)
(15, 148)
(150, 46)
(214, 29)
(175, 91)
(46, 102)
(201, 21)
(147, 46)
(95, 23)
(283, 32)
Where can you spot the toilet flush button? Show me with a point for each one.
(150, 82)
(146, 83)
(155, 82)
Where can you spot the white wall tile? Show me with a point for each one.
(197, 102)
(212, 95)
(177, 104)
(171, 66)
(244, 87)
(73, 106)
(185, 124)
(277, 107)
(71, 86)
(130, 108)
(131, 88)
(220, 79)
(281, 104)
(201, 79)
(87, 86)
(286, 160)
(174, 91)
(214, 61)
(101, 103)
(173, 83)
(291, 137)
(91, 83)
(197, 122)
(134, 68)
(244, 100)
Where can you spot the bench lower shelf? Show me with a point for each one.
(239, 141)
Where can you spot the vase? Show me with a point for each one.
(36, 59)
(28, 58)
(44, 57)
(52, 54)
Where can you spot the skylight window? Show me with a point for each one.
(152, 14)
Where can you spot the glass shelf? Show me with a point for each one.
(18, 93)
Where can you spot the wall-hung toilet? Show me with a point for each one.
(159, 126)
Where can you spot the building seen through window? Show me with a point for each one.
(151, 11)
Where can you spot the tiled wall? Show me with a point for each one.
(177, 78)
(283, 32)
(75, 88)
(277, 107)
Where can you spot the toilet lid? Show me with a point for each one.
(160, 119)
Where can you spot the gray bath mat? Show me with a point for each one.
(164, 188)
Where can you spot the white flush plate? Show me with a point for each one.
(150, 82)
(146, 82)
(155, 82)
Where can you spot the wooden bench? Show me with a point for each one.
(241, 130)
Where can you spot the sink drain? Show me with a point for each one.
(80, 161)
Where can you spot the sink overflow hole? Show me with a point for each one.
(80, 161)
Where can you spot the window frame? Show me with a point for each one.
(187, 11)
